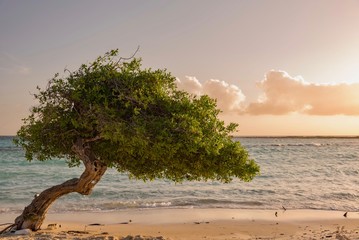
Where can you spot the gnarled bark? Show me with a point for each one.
(34, 214)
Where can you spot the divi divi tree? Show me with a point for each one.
(112, 113)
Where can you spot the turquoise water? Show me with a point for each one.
(298, 173)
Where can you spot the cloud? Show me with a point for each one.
(229, 97)
(283, 94)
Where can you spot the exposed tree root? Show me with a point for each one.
(8, 228)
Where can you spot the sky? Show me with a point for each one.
(276, 67)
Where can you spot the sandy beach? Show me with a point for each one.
(196, 224)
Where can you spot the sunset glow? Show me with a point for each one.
(275, 67)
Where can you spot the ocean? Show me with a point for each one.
(297, 173)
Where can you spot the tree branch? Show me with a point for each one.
(92, 139)
(128, 58)
(66, 70)
(7, 229)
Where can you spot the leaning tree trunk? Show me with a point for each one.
(34, 214)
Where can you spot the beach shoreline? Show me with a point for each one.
(195, 223)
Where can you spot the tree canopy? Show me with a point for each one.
(136, 121)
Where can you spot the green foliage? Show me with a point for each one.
(134, 120)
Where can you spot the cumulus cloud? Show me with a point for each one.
(283, 94)
(229, 97)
